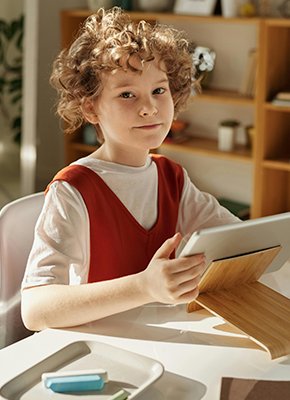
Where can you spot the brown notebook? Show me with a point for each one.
(251, 389)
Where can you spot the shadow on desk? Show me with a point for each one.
(178, 387)
(138, 324)
(159, 322)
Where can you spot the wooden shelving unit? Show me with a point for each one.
(209, 147)
(224, 96)
(272, 147)
(271, 150)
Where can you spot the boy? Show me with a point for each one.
(106, 238)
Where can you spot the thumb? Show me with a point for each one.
(168, 246)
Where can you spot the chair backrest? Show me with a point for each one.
(17, 222)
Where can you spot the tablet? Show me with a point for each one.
(241, 238)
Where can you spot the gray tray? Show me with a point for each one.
(126, 370)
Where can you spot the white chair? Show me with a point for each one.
(17, 222)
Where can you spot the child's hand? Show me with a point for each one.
(173, 281)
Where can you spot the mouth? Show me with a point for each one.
(148, 126)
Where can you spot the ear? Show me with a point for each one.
(88, 108)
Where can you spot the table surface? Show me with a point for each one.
(196, 349)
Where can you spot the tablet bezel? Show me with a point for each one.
(243, 237)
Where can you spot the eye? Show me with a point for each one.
(127, 95)
(159, 91)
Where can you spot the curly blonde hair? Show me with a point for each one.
(106, 42)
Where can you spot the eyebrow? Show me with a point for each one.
(128, 84)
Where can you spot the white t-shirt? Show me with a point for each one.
(61, 250)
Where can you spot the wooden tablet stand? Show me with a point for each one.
(230, 289)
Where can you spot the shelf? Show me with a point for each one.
(202, 146)
(84, 148)
(193, 18)
(281, 164)
(209, 147)
(171, 16)
(224, 96)
(277, 22)
(273, 107)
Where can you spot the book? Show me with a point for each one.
(283, 103)
(281, 99)
(283, 96)
(248, 84)
(241, 389)
(241, 210)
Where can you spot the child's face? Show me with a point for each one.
(135, 110)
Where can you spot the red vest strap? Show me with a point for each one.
(119, 245)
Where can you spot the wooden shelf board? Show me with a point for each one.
(281, 164)
(195, 18)
(203, 146)
(209, 147)
(172, 16)
(224, 96)
(273, 107)
(279, 22)
(77, 13)
(83, 147)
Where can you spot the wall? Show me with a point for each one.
(43, 148)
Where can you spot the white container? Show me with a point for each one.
(226, 138)
(94, 5)
(154, 5)
(230, 8)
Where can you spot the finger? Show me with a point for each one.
(187, 297)
(168, 247)
(187, 263)
(188, 286)
(178, 265)
(176, 291)
(184, 276)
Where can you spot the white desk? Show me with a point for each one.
(196, 349)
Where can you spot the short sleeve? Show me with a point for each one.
(199, 210)
(60, 251)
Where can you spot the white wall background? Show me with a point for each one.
(9, 9)
(42, 153)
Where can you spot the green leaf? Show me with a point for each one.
(7, 31)
(13, 69)
(16, 99)
(15, 84)
(2, 83)
(3, 27)
(16, 123)
(14, 27)
(19, 41)
(17, 137)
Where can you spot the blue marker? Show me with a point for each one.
(80, 383)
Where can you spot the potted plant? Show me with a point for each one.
(203, 59)
(11, 38)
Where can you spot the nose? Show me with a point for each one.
(148, 108)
